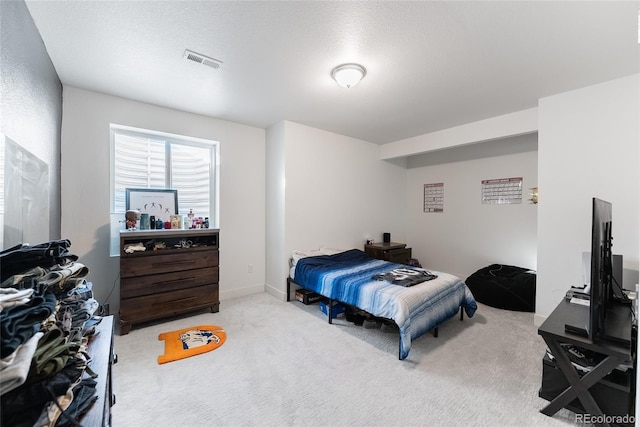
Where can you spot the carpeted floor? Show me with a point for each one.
(283, 364)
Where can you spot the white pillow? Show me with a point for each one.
(296, 254)
(330, 251)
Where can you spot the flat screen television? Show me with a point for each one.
(601, 268)
(603, 323)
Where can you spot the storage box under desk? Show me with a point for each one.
(612, 393)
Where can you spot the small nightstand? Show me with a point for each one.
(392, 251)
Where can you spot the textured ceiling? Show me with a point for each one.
(430, 65)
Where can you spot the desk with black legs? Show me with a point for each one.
(578, 396)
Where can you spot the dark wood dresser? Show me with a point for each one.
(176, 273)
(100, 348)
(391, 251)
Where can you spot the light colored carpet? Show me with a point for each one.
(283, 364)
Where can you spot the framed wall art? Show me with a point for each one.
(503, 191)
(157, 202)
(434, 197)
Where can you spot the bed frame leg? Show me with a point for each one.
(461, 313)
(330, 310)
(288, 289)
(435, 332)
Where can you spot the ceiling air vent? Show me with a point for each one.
(201, 59)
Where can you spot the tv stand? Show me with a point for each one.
(583, 392)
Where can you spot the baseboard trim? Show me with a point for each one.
(538, 319)
(242, 292)
(275, 292)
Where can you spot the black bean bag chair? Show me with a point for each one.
(504, 286)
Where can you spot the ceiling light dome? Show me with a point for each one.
(348, 75)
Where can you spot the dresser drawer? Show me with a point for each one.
(132, 287)
(156, 264)
(168, 303)
(399, 256)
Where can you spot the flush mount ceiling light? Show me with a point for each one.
(348, 75)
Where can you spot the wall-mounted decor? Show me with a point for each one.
(502, 191)
(434, 197)
(24, 195)
(533, 195)
(160, 203)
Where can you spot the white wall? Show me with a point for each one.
(276, 267)
(470, 235)
(588, 147)
(337, 193)
(31, 106)
(85, 187)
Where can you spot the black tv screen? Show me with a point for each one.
(601, 258)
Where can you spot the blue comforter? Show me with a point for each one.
(348, 277)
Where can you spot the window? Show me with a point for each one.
(148, 159)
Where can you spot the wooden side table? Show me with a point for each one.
(391, 251)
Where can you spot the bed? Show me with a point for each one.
(352, 277)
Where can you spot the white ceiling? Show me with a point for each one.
(430, 65)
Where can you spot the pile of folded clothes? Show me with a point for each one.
(46, 320)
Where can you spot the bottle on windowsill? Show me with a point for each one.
(190, 216)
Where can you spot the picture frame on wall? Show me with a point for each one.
(161, 203)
